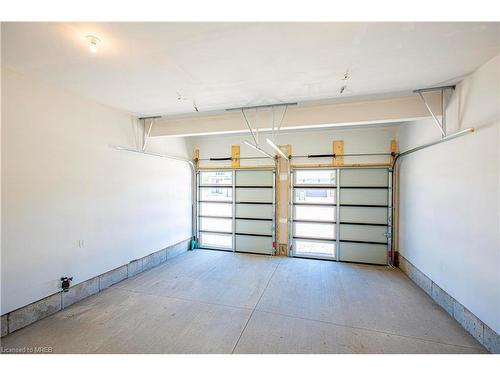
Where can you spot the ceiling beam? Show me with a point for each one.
(380, 111)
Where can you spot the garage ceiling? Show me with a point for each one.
(143, 68)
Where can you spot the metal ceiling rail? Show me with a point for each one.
(260, 106)
(430, 89)
(149, 117)
(442, 140)
(121, 148)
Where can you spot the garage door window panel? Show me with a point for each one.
(314, 248)
(314, 196)
(216, 240)
(217, 194)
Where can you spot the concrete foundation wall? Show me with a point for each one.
(33, 312)
(472, 324)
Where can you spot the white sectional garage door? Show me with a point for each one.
(236, 210)
(341, 214)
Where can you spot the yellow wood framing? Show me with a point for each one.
(196, 157)
(394, 149)
(338, 149)
(282, 188)
(235, 156)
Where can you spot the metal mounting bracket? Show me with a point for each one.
(249, 127)
(443, 89)
(146, 134)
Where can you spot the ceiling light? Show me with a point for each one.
(276, 148)
(258, 149)
(93, 43)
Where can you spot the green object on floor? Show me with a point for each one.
(193, 243)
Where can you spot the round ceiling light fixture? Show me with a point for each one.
(93, 43)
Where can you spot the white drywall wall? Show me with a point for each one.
(302, 142)
(449, 204)
(61, 183)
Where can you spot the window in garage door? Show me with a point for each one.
(236, 210)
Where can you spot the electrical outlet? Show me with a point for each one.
(81, 244)
(66, 283)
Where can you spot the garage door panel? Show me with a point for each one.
(254, 226)
(363, 233)
(364, 177)
(254, 244)
(363, 253)
(255, 236)
(254, 195)
(363, 196)
(254, 178)
(258, 211)
(373, 215)
(236, 215)
(362, 214)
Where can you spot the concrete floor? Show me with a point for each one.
(218, 302)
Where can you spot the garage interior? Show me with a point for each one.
(255, 188)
